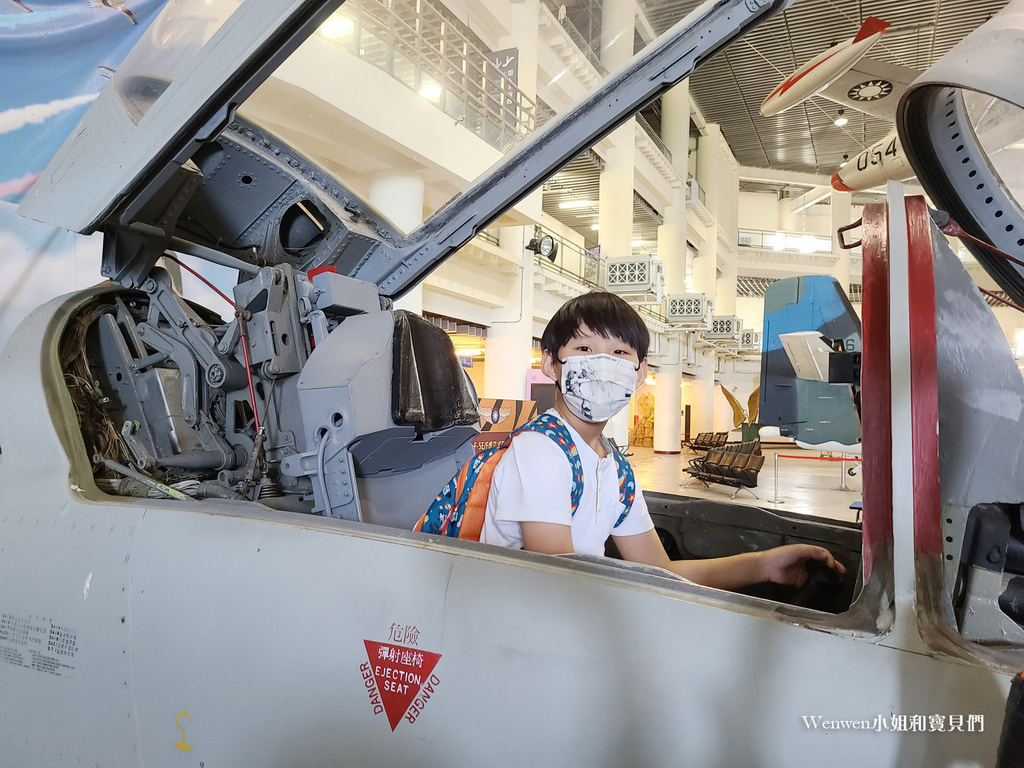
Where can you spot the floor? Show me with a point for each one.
(805, 485)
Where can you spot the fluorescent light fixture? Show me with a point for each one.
(575, 204)
(336, 26)
(430, 91)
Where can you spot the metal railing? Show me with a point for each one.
(577, 263)
(415, 44)
(571, 260)
(691, 184)
(576, 36)
(585, 48)
(649, 130)
(784, 241)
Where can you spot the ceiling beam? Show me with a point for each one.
(776, 176)
(807, 199)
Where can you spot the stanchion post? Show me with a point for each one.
(842, 478)
(776, 499)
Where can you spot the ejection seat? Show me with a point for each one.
(388, 416)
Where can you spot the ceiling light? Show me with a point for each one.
(574, 204)
(637, 243)
(336, 26)
(846, 159)
(841, 119)
(649, 381)
(595, 227)
(430, 91)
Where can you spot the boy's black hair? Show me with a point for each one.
(603, 313)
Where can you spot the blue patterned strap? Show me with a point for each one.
(550, 425)
(445, 514)
(627, 485)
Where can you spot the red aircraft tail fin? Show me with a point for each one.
(871, 25)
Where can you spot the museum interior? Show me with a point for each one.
(276, 270)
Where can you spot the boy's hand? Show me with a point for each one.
(788, 564)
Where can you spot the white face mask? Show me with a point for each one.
(596, 387)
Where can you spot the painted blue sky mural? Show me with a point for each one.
(56, 56)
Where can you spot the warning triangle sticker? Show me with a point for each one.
(399, 672)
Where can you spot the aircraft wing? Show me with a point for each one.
(873, 87)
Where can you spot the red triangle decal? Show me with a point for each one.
(399, 672)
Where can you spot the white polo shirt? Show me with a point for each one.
(533, 483)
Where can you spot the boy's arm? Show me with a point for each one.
(782, 565)
(547, 538)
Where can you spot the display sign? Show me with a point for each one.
(499, 418)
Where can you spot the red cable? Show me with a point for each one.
(248, 375)
(999, 298)
(244, 336)
(818, 458)
(955, 230)
(208, 283)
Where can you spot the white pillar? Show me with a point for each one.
(675, 125)
(668, 400)
(522, 35)
(399, 197)
(705, 266)
(702, 390)
(725, 287)
(509, 344)
(723, 411)
(618, 21)
(841, 212)
(616, 190)
(701, 396)
(668, 396)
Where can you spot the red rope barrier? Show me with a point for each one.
(814, 458)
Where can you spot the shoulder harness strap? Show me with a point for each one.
(552, 426)
(627, 484)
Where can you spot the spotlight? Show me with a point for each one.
(545, 246)
(841, 119)
(846, 159)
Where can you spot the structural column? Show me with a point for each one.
(701, 395)
(619, 149)
(509, 345)
(618, 20)
(842, 212)
(399, 197)
(701, 391)
(668, 394)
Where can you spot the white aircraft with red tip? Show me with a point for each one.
(842, 74)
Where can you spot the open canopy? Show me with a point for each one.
(244, 132)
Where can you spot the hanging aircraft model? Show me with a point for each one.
(844, 75)
(205, 546)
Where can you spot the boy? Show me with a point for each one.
(595, 349)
